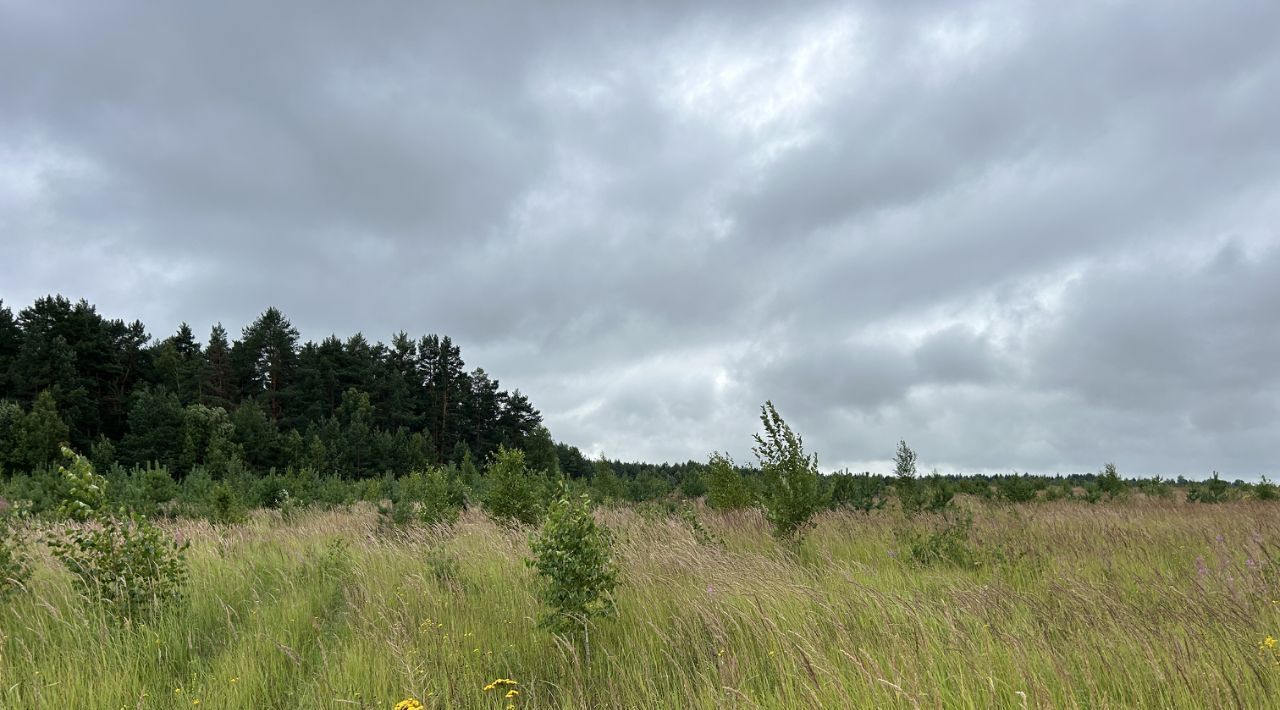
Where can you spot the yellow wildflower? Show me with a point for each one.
(513, 693)
(1269, 642)
(500, 683)
(409, 704)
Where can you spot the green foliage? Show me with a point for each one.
(15, 559)
(1265, 490)
(689, 515)
(572, 555)
(912, 496)
(515, 494)
(84, 493)
(1016, 489)
(1155, 488)
(223, 505)
(605, 484)
(1214, 490)
(11, 416)
(432, 497)
(725, 488)
(861, 492)
(790, 476)
(149, 489)
(692, 484)
(156, 428)
(939, 493)
(1110, 484)
(945, 542)
(42, 432)
(127, 564)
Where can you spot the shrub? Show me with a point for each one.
(431, 498)
(573, 558)
(725, 488)
(127, 564)
(1110, 484)
(790, 475)
(1265, 490)
(1214, 490)
(1016, 489)
(223, 506)
(441, 498)
(515, 493)
(1155, 487)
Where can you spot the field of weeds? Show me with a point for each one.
(1137, 603)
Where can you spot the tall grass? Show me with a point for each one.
(1141, 603)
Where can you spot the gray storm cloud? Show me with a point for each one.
(1020, 235)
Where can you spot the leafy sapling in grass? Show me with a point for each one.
(124, 562)
(574, 559)
(790, 475)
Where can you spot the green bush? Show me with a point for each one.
(725, 488)
(1016, 489)
(514, 494)
(1214, 490)
(222, 505)
(1110, 484)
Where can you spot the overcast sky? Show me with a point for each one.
(1021, 235)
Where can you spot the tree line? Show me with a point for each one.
(261, 401)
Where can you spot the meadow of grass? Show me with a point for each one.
(1138, 603)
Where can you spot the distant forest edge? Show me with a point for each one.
(338, 421)
(262, 401)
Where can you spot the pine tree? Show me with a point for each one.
(218, 388)
(265, 359)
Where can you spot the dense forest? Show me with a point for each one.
(264, 400)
